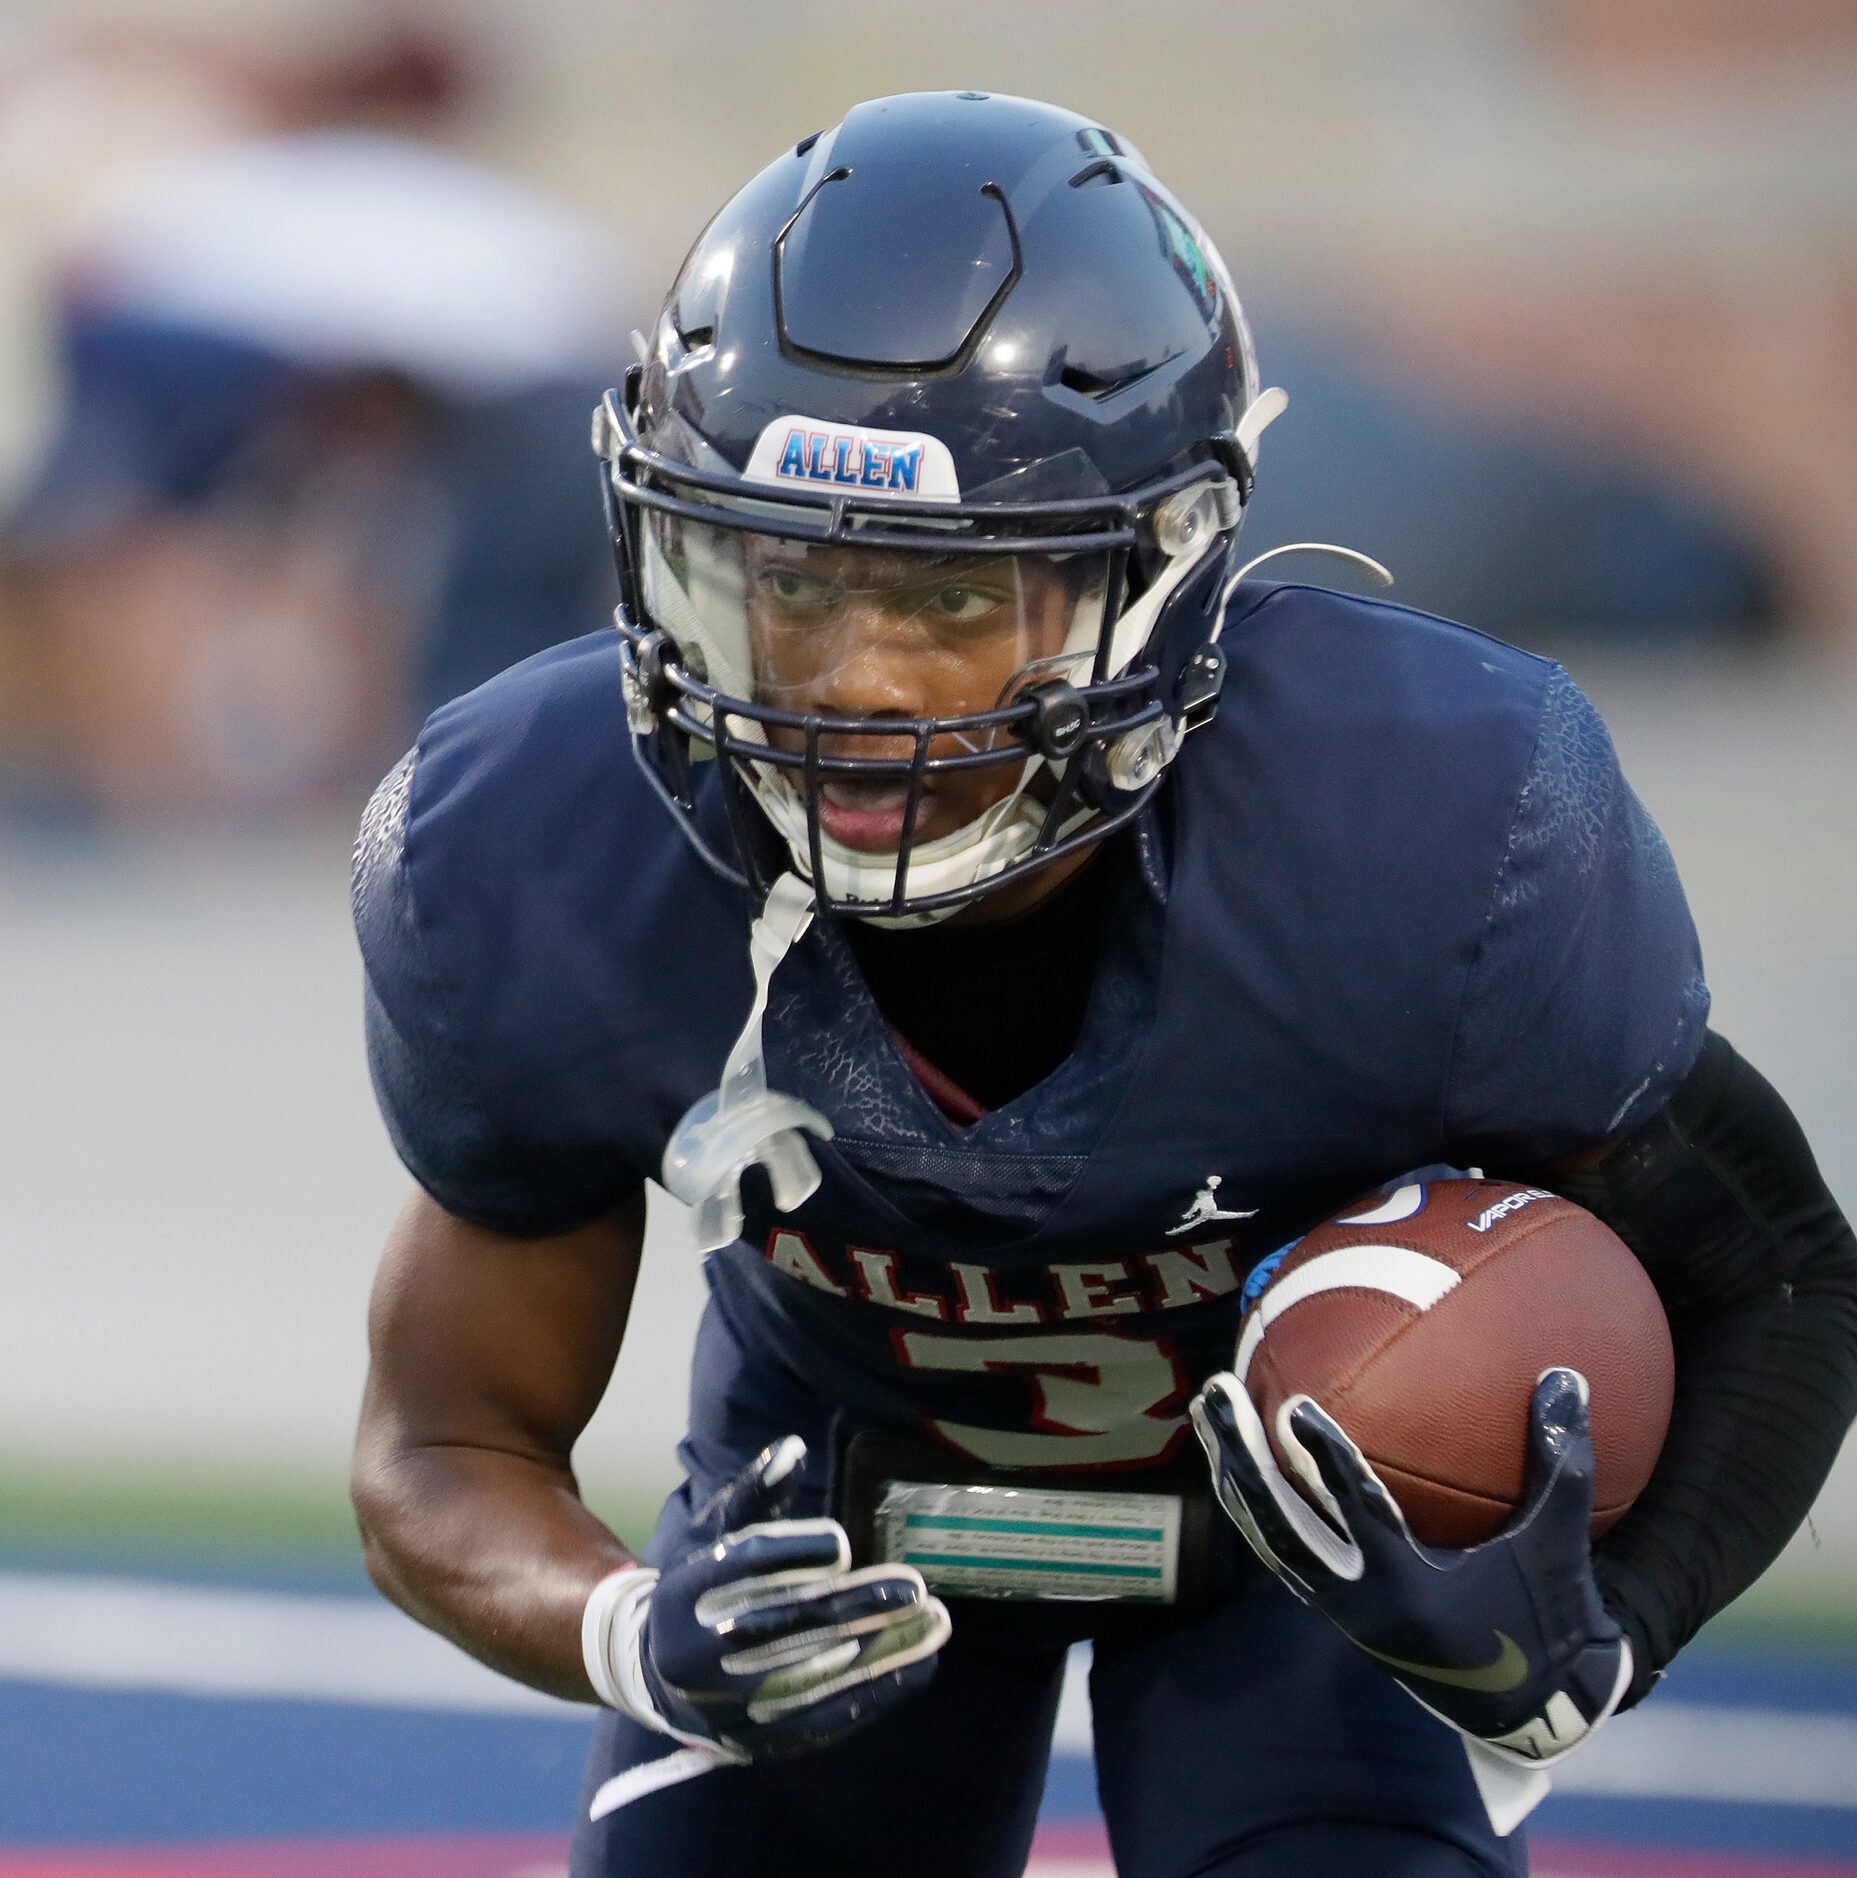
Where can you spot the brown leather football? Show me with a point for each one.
(1422, 1319)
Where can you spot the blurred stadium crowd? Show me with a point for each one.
(305, 464)
(302, 306)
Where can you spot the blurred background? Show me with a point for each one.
(303, 304)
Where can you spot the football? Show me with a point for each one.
(1421, 1321)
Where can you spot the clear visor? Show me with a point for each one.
(841, 630)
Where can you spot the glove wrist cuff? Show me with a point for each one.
(1562, 1727)
(611, 1649)
(1512, 1781)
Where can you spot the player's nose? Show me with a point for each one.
(873, 671)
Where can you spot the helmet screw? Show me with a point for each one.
(1182, 521)
(1140, 755)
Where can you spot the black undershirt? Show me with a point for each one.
(996, 1006)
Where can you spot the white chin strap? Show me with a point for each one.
(744, 1123)
(986, 846)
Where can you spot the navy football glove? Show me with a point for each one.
(1507, 1641)
(764, 1641)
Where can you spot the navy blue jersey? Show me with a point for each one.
(1396, 906)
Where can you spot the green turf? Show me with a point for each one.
(217, 1522)
(1817, 1615)
(205, 1519)
(301, 1525)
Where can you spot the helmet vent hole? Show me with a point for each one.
(806, 143)
(1099, 174)
(1100, 142)
(697, 337)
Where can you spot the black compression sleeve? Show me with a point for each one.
(1720, 1198)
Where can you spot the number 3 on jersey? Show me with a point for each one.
(1097, 1397)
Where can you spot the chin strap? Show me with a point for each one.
(744, 1123)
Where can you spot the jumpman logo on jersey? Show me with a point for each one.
(1205, 1209)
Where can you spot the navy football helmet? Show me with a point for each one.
(923, 498)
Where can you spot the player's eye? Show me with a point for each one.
(795, 592)
(962, 603)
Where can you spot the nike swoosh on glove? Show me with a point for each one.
(763, 1641)
(1507, 1641)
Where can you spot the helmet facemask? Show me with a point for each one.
(920, 703)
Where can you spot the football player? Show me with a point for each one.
(1005, 922)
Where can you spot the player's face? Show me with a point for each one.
(874, 634)
(855, 632)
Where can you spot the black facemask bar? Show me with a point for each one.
(673, 712)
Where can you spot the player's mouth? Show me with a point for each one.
(866, 815)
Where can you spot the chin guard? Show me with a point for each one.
(743, 1123)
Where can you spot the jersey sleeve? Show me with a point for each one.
(1585, 1002)
(464, 1125)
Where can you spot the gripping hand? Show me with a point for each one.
(764, 1641)
(1507, 1641)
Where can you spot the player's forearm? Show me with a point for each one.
(1720, 1198)
(490, 1354)
(494, 1550)
(1762, 1397)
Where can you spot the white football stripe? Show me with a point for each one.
(104, 1633)
(122, 1633)
(1393, 1269)
(1401, 1204)
(1672, 1749)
